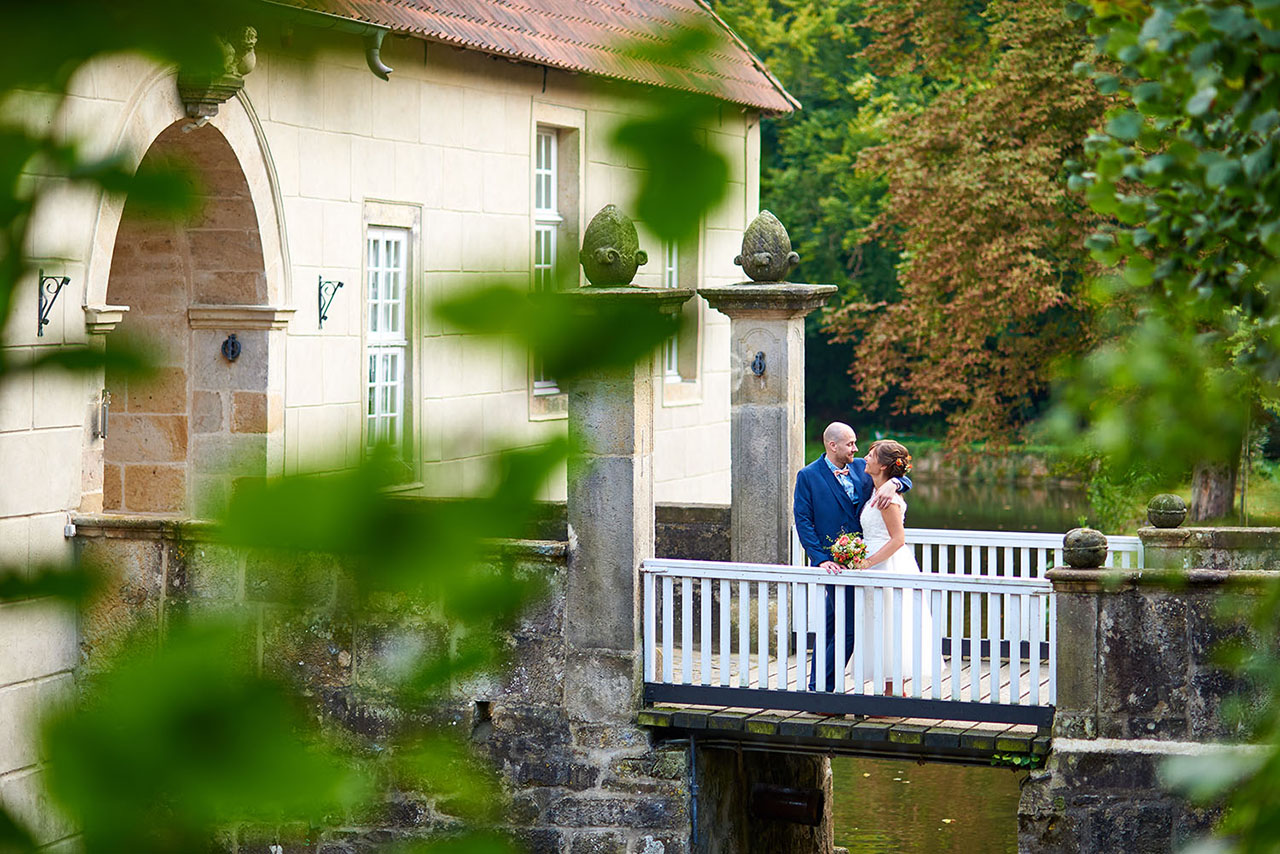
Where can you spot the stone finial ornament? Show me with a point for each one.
(611, 249)
(1084, 548)
(1166, 510)
(766, 250)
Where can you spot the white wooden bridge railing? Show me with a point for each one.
(952, 646)
(987, 554)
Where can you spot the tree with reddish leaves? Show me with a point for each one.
(992, 277)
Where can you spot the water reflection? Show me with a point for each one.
(884, 807)
(1004, 506)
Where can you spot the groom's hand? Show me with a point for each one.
(883, 496)
(831, 567)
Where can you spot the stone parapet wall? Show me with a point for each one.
(580, 776)
(1212, 548)
(1137, 682)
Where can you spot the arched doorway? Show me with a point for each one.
(179, 439)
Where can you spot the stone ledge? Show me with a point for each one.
(769, 299)
(1211, 538)
(233, 317)
(1110, 580)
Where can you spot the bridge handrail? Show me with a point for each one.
(907, 630)
(757, 572)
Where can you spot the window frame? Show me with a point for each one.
(555, 225)
(406, 220)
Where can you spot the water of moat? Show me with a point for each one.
(886, 806)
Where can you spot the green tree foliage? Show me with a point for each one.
(169, 746)
(1186, 172)
(807, 174)
(991, 277)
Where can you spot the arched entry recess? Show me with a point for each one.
(179, 441)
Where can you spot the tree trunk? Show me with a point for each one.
(1213, 491)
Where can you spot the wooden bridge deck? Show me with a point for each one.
(923, 739)
(890, 727)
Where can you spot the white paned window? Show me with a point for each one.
(671, 279)
(546, 225)
(387, 274)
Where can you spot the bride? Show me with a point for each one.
(884, 535)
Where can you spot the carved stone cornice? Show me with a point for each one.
(234, 317)
(102, 319)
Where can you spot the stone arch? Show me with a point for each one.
(198, 294)
(153, 107)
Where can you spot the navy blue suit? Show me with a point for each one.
(823, 512)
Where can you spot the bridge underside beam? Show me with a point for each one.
(882, 738)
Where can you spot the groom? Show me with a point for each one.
(829, 497)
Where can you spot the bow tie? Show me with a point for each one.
(839, 472)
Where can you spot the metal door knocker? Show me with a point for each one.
(231, 348)
(757, 364)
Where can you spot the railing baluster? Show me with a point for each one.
(936, 652)
(706, 610)
(877, 640)
(801, 593)
(957, 638)
(993, 631)
(819, 622)
(943, 554)
(1034, 658)
(650, 628)
(762, 634)
(782, 681)
(961, 554)
(1015, 650)
(668, 629)
(917, 633)
(859, 638)
(975, 647)
(744, 634)
(838, 637)
(726, 652)
(686, 630)
(895, 648)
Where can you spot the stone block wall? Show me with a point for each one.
(580, 776)
(1212, 548)
(1138, 682)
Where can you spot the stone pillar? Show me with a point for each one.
(611, 515)
(1137, 683)
(767, 409)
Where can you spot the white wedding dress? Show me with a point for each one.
(902, 562)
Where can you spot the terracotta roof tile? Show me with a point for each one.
(582, 35)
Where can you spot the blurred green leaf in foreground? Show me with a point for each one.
(172, 746)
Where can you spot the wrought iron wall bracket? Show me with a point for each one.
(50, 287)
(325, 293)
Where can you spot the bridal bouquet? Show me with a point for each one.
(849, 551)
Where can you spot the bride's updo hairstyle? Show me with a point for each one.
(893, 456)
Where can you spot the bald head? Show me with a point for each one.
(841, 443)
(836, 431)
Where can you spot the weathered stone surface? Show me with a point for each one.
(1142, 662)
(600, 686)
(1166, 510)
(618, 812)
(611, 249)
(599, 842)
(298, 578)
(766, 254)
(1212, 548)
(1084, 547)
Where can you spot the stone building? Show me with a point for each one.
(404, 152)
